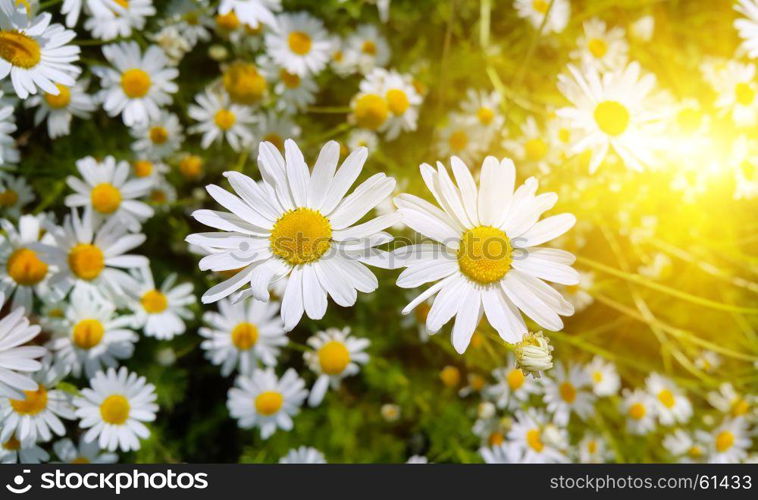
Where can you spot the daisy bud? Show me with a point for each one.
(534, 353)
(165, 357)
(390, 412)
(218, 52)
(485, 410)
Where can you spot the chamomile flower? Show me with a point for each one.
(276, 128)
(117, 18)
(737, 93)
(747, 26)
(192, 21)
(114, 408)
(500, 281)
(221, 120)
(303, 455)
(293, 92)
(265, 401)
(158, 138)
(161, 312)
(708, 361)
(512, 386)
(299, 43)
(297, 224)
(242, 334)
(58, 110)
(173, 44)
(15, 194)
(731, 403)
(483, 109)
(149, 169)
(403, 101)
(640, 410)
(611, 111)
(601, 46)
(335, 355)
(136, 85)
(688, 447)
(366, 49)
(603, 377)
(505, 453)
(593, 450)
(106, 191)
(25, 270)
(360, 138)
(532, 147)
(538, 440)
(672, 406)
(535, 11)
(459, 138)
(566, 393)
(729, 442)
(13, 451)
(162, 192)
(252, 12)
(92, 336)
(35, 53)
(82, 453)
(18, 360)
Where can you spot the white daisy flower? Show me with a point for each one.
(594, 450)
(275, 128)
(603, 377)
(299, 43)
(25, 270)
(12, 451)
(158, 138)
(534, 11)
(162, 192)
(241, 334)
(366, 48)
(640, 409)
(335, 355)
(539, 441)
(265, 401)
(92, 336)
(485, 257)
(150, 169)
(83, 453)
(729, 442)
(731, 403)
(18, 360)
(34, 52)
(221, 120)
(59, 109)
(505, 453)
(533, 147)
(173, 44)
(566, 393)
(118, 18)
(459, 138)
(402, 102)
(672, 406)
(360, 138)
(688, 447)
(747, 26)
(483, 108)
(114, 409)
(512, 387)
(338, 62)
(303, 455)
(737, 93)
(106, 191)
(192, 21)
(600, 46)
(15, 194)
(708, 361)
(293, 93)
(252, 12)
(297, 224)
(137, 84)
(161, 312)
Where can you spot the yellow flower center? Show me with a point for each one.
(597, 47)
(450, 376)
(12, 444)
(637, 411)
(299, 42)
(368, 47)
(744, 93)
(724, 441)
(484, 255)
(191, 166)
(86, 261)
(228, 21)
(397, 101)
(80, 460)
(666, 397)
(135, 82)
(534, 440)
(301, 236)
(88, 333)
(536, 149)
(458, 141)
(244, 83)
(290, 80)
(115, 409)
(337, 56)
(695, 451)
(568, 392)
(515, 379)
(496, 438)
(224, 119)
(540, 6)
(269, 402)
(597, 376)
(19, 49)
(689, 119)
(158, 196)
(564, 135)
(25, 267)
(612, 117)
(33, 402)
(61, 100)
(8, 198)
(485, 115)
(123, 3)
(371, 111)
(333, 357)
(476, 381)
(154, 302)
(143, 168)
(592, 446)
(244, 336)
(740, 407)
(275, 139)
(158, 135)
(106, 198)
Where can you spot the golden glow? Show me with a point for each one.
(536, 149)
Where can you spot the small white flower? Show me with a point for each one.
(158, 138)
(17, 360)
(303, 455)
(59, 109)
(730, 442)
(15, 194)
(539, 441)
(12, 451)
(603, 377)
(221, 120)
(161, 312)
(115, 18)
(335, 355)
(512, 386)
(299, 43)
(672, 406)
(640, 410)
(566, 393)
(366, 49)
(534, 11)
(83, 453)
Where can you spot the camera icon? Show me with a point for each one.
(18, 484)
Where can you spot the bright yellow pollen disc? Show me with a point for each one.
(12, 444)
(8, 198)
(25, 267)
(637, 411)
(154, 302)
(740, 407)
(275, 139)
(496, 438)
(568, 392)
(597, 377)
(724, 441)
(371, 111)
(368, 47)
(299, 42)
(744, 93)
(540, 6)
(244, 83)
(86, 261)
(612, 117)
(397, 101)
(534, 440)
(244, 336)
(667, 398)
(135, 82)
(142, 168)
(484, 255)
(515, 379)
(536, 149)
(290, 80)
(191, 166)
(106, 198)
(33, 403)
(485, 115)
(695, 452)
(19, 49)
(158, 135)
(333, 357)
(597, 47)
(88, 333)
(61, 100)
(269, 402)
(592, 446)
(115, 409)
(228, 21)
(224, 119)
(458, 140)
(450, 376)
(301, 236)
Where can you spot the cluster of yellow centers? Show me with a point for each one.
(114, 409)
(8, 198)
(33, 403)
(244, 336)
(88, 333)
(19, 49)
(301, 236)
(515, 379)
(612, 117)
(637, 411)
(135, 83)
(534, 439)
(666, 397)
(105, 198)
(158, 134)
(268, 402)
(224, 119)
(61, 100)
(299, 42)
(724, 441)
(86, 261)
(333, 357)
(142, 168)
(484, 254)
(154, 302)
(744, 93)
(244, 83)
(568, 392)
(597, 47)
(25, 267)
